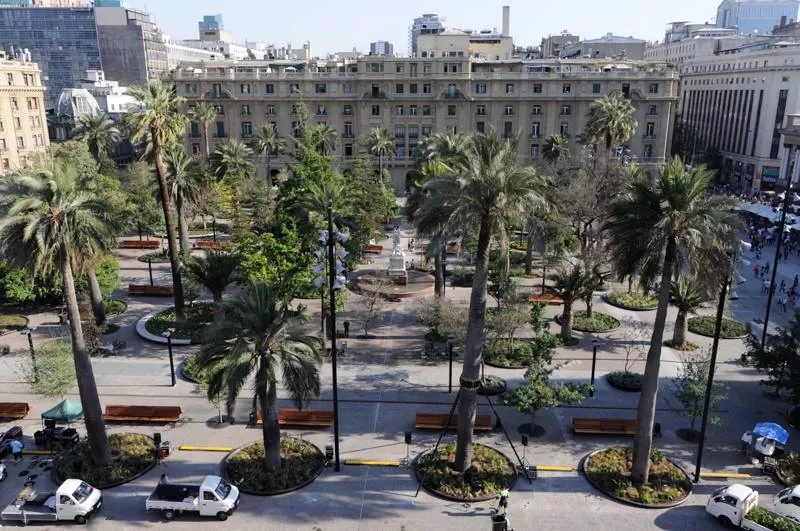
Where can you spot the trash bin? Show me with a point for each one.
(163, 450)
(499, 522)
(38, 437)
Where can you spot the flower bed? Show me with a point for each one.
(132, 454)
(192, 371)
(156, 257)
(704, 326)
(114, 307)
(198, 317)
(630, 382)
(609, 471)
(12, 323)
(498, 353)
(599, 322)
(493, 472)
(301, 463)
(632, 301)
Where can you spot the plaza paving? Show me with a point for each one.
(383, 382)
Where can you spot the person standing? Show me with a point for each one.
(756, 270)
(782, 288)
(503, 502)
(16, 450)
(782, 302)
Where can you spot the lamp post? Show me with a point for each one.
(28, 331)
(544, 267)
(168, 334)
(150, 268)
(450, 354)
(594, 364)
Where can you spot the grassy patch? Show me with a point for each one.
(625, 381)
(198, 316)
(114, 307)
(501, 353)
(704, 325)
(11, 323)
(131, 454)
(610, 470)
(156, 257)
(492, 472)
(598, 322)
(300, 461)
(633, 301)
(192, 370)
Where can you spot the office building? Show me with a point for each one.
(415, 97)
(178, 52)
(609, 46)
(484, 44)
(42, 3)
(381, 48)
(755, 16)
(552, 45)
(427, 24)
(736, 103)
(684, 41)
(23, 127)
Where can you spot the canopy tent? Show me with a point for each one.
(66, 411)
(773, 431)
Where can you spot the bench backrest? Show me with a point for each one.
(144, 411)
(441, 418)
(607, 424)
(305, 415)
(14, 408)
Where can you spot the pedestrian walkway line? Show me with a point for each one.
(189, 448)
(370, 462)
(38, 452)
(549, 468)
(725, 475)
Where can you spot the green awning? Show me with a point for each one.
(66, 411)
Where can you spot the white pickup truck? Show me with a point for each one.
(213, 497)
(732, 505)
(74, 500)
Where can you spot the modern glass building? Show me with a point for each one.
(63, 41)
(752, 17)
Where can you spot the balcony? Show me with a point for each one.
(375, 95)
(195, 134)
(649, 136)
(535, 136)
(347, 135)
(221, 134)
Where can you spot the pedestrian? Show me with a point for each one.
(16, 450)
(756, 270)
(503, 501)
(792, 301)
(347, 329)
(782, 289)
(765, 287)
(765, 269)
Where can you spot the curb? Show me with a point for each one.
(608, 301)
(144, 334)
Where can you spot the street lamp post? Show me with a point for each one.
(168, 334)
(594, 364)
(450, 354)
(544, 267)
(28, 331)
(150, 268)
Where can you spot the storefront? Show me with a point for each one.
(769, 177)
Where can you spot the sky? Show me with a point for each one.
(340, 26)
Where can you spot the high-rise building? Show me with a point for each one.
(43, 3)
(552, 45)
(427, 24)
(755, 16)
(381, 48)
(62, 41)
(23, 126)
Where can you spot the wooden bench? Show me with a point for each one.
(315, 418)
(546, 298)
(143, 413)
(452, 249)
(147, 289)
(604, 426)
(436, 421)
(374, 249)
(140, 244)
(208, 244)
(14, 410)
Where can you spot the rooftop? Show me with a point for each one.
(612, 39)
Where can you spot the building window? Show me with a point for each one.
(400, 151)
(320, 88)
(398, 110)
(399, 131)
(626, 90)
(426, 110)
(427, 68)
(219, 130)
(245, 110)
(219, 109)
(348, 151)
(566, 88)
(652, 88)
(194, 130)
(347, 110)
(413, 131)
(412, 110)
(2, 144)
(190, 88)
(10, 78)
(534, 151)
(652, 110)
(18, 122)
(398, 88)
(375, 68)
(269, 88)
(6, 164)
(376, 90)
(536, 129)
(294, 108)
(426, 88)
(348, 130)
(400, 68)
(564, 129)
(412, 88)
(244, 88)
(537, 110)
(195, 149)
(451, 110)
(426, 130)
(376, 110)
(452, 68)
(20, 142)
(269, 110)
(216, 90)
(537, 88)
(595, 88)
(480, 127)
(294, 88)
(648, 151)
(508, 129)
(509, 88)
(650, 130)
(14, 104)
(508, 110)
(566, 110)
(247, 129)
(480, 110)
(480, 88)
(347, 88)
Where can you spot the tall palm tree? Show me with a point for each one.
(324, 138)
(442, 146)
(674, 222)
(186, 182)
(215, 271)
(157, 122)
(555, 148)
(687, 297)
(611, 120)
(569, 286)
(45, 216)
(99, 132)
(233, 160)
(262, 337)
(205, 114)
(491, 192)
(268, 143)
(380, 143)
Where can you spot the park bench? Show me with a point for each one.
(547, 298)
(147, 289)
(14, 410)
(436, 421)
(314, 418)
(604, 426)
(143, 413)
(140, 244)
(375, 249)
(452, 248)
(207, 244)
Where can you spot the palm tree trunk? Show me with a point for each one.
(219, 308)
(589, 300)
(438, 275)
(269, 173)
(566, 321)
(529, 253)
(473, 354)
(681, 328)
(87, 388)
(183, 227)
(645, 415)
(270, 429)
(172, 243)
(98, 308)
(443, 263)
(205, 138)
(380, 166)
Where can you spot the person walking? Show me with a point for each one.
(756, 270)
(782, 288)
(782, 302)
(503, 502)
(765, 270)
(16, 450)
(765, 287)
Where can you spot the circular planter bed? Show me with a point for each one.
(704, 326)
(12, 323)
(156, 257)
(301, 463)
(686, 347)
(192, 372)
(498, 353)
(609, 472)
(630, 382)
(198, 317)
(492, 472)
(115, 307)
(492, 386)
(598, 323)
(132, 455)
(635, 301)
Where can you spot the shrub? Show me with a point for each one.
(704, 325)
(492, 386)
(300, 462)
(198, 316)
(633, 301)
(499, 352)
(131, 454)
(462, 277)
(625, 381)
(770, 520)
(114, 307)
(492, 472)
(598, 322)
(789, 467)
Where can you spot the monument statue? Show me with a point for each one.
(397, 259)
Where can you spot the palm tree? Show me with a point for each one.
(156, 121)
(186, 183)
(233, 160)
(442, 146)
(268, 143)
(204, 113)
(555, 148)
(261, 337)
(380, 143)
(612, 120)
(687, 297)
(324, 138)
(490, 192)
(215, 271)
(99, 132)
(674, 222)
(47, 215)
(569, 286)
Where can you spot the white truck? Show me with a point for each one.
(213, 497)
(734, 505)
(74, 500)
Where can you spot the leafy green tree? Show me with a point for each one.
(611, 120)
(267, 142)
(502, 285)
(75, 153)
(380, 144)
(555, 148)
(491, 192)
(276, 258)
(99, 132)
(215, 271)
(674, 222)
(204, 113)
(689, 388)
(141, 211)
(778, 360)
(186, 182)
(687, 296)
(44, 217)
(569, 285)
(260, 339)
(158, 123)
(53, 373)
